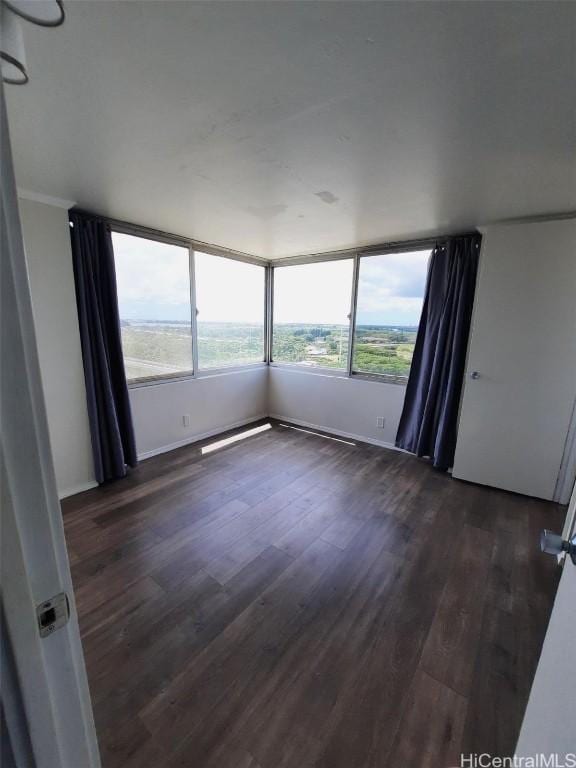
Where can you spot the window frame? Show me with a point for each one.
(269, 266)
(357, 255)
(388, 378)
(300, 261)
(233, 366)
(192, 246)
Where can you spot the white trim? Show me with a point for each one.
(337, 432)
(50, 670)
(570, 521)
(39, 197)
(567, 472)
(80, 488)
(202, 436)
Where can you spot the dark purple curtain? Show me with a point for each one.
(113, 444)
(429, 419)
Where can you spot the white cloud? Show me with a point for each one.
(153, 277)
(392, 285)
(228, 290)
(149, 271)
(313, 293)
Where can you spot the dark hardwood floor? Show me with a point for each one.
(294, 601)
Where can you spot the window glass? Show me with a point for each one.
(153, 280)
(389, 303)
(311, 313)
(230, 303)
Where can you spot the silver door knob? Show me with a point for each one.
(553, 544)
(474, 375)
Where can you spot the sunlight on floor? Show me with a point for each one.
(234, 438)
(318, 434)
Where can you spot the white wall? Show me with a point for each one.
(515, 417)
(214, 403)
(49, 261)
(338, 404)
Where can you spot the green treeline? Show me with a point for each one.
(153, 348)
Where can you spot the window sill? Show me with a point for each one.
(225, 370)
(381, 378)
(155, 380)
(336, 373)
(314, 370)
(205, 374)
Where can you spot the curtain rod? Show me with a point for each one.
(372, 250)
(169, 237)
(367, 250)
(318, 256)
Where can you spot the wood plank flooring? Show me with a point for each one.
(294, 601)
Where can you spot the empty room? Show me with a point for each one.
(288, 384)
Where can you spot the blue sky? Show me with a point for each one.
(391, 288)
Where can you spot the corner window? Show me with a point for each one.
(230, 311)
(217, 317)
(153, 280)
(312, 313)
(388, 308)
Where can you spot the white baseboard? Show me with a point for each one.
(202, 436)
(337, 432)
(77, 489)
(225, 428)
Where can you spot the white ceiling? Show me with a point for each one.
(281, 128)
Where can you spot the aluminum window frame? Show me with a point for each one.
(406, 247)
(318, 258)
(162, 237)
(357, 255)
(125, 228)
(233, 366)
(270, 265)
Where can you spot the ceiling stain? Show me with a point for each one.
(326, 196)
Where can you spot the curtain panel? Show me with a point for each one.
(111, 428)
(429, 420)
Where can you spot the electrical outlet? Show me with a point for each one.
(186, 420)
(380, 421)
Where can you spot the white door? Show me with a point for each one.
(47, 707)
(516, 412)
(549, 723)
